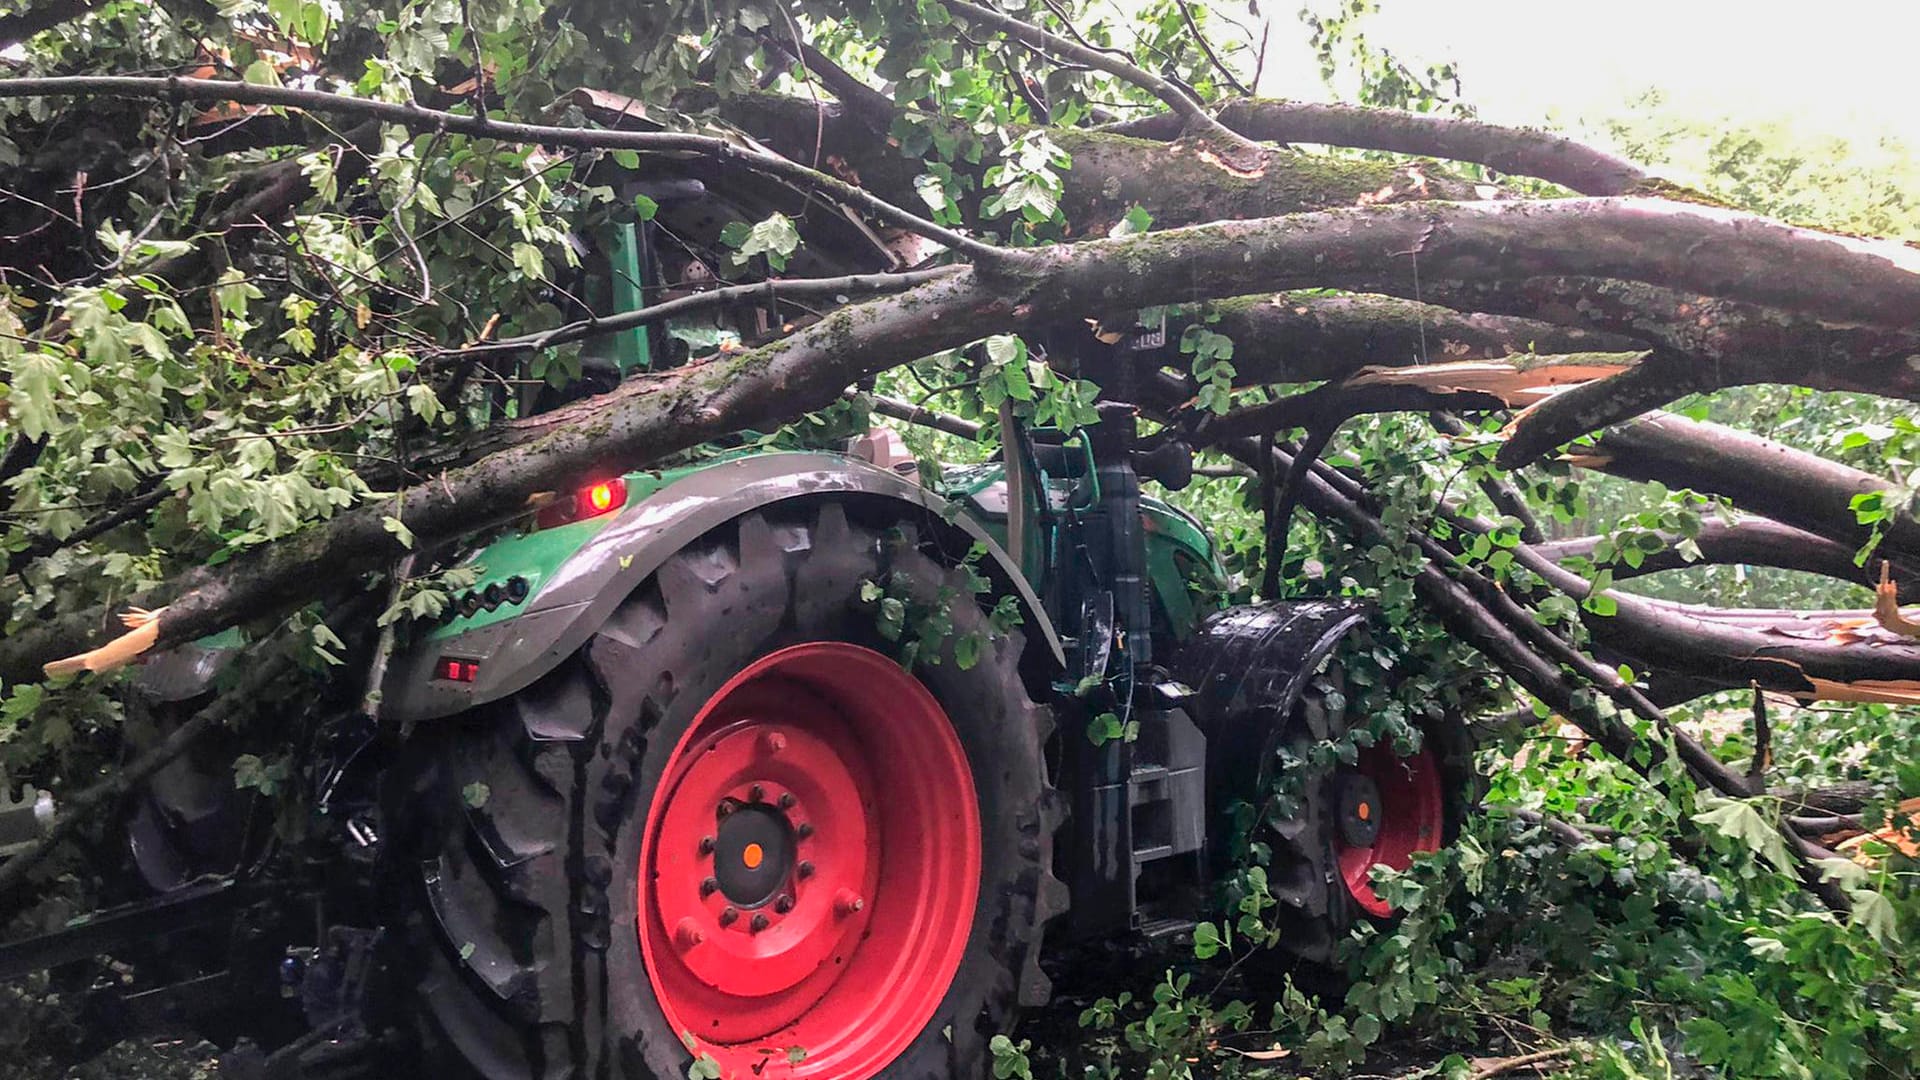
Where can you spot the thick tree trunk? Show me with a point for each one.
(1110, 173)
(1300, 337)
(1730, 342)
(1520, 151)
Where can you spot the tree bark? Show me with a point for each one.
(1299, 337)
(1750, 541)
(1731, 342)
(1778, 650)
(1110, 173)
(1758, 475)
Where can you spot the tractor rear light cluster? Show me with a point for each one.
(589, 502)
(454, 669)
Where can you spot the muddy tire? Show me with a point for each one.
(1319, 868)
(557, 923)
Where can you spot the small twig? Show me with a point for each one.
(1762, 741)
(646, 316)
(1523, 1061)
(872, 107)
(908, 412)
(1288, 497)
(1186, 14)
(46, 544)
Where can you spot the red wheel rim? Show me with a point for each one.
(810, 866)
(1412, 818)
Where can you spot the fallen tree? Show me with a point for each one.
(1399, 286)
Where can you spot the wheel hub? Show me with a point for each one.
(753, 855)
(1389, 809)
(1359, 809)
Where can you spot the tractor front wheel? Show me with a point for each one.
(733, 835)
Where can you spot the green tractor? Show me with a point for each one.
(781, 764)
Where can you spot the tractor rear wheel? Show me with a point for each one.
(732, 829)
(1380, 810)
(1265, 702)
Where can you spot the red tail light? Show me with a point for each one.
(590, 501)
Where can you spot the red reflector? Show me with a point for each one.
(454, 669)
(591, 501)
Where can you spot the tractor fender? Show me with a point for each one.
(586, 589)
(1253, 662)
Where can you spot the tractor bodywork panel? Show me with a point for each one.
(1184, 573)
(574, 575)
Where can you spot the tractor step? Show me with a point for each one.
(1166, 788)
(1167, 931)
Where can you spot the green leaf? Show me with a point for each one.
(628, 159)
(1874, 913)
(1206, 941)
(399, 530)
(776, 238)
(966, 650)
(1136, 220)
(1739, 820)
(528, 260)
(475, 795)
(261, 73)
(645, 208)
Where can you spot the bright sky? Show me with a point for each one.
(1840, 67)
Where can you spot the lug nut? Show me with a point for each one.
(709, 887)
(687, 934)
(806, 870)
(784, 904)
(706, 845)
(758, 922)
(728, 914)
(805, 830)
(726, 807)
(787, 800)
(756, 793)
(847, 902)
(773, 742)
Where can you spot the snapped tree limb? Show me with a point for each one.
(1758, 475)
(1748, 540)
